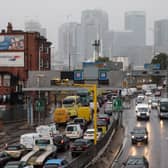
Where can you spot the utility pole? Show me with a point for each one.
(96, 44)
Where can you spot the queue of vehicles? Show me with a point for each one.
(40, 148)
(145, 102)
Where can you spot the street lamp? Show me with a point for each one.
(38, 104)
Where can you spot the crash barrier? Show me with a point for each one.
(93, 151)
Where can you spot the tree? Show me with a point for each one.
(103, 59)
(161, 59)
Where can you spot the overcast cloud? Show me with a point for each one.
(52, 13)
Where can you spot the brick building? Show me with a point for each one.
(20, 52)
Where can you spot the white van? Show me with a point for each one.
(47, 130)
(142, 111)
(28, 140)
(73, 131)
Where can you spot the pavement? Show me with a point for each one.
(107, 158)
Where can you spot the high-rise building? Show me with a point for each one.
(135, 21)
(161, 35)
(69, 44)
(94, 24)
(34, 26)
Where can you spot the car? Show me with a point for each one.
(81, 121)
(102, 125)
(148, 93)
(4, 158)
(154, 103)
(79, 146)
(62, 142)
(139, 134)
(157, 93)
(16, 151)
(104, 116)
(136, 162)
(143, 111)
(17, 164)
(108, 108)
(89, 134)
(73, 131)
(92, 106)
(56, 163)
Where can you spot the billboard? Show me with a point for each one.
(102, 75)
(11, 59)
(11, 42)
(152, 66)
(78, 74)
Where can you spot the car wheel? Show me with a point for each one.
(73, 154)
(146, 141)
(133, 142)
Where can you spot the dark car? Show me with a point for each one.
(157, 93)
(104, 116)
(136, 162)
(4, 158)
(62, 142)
(82, 122)
(139, 134)
(108, 108)
(79, 146)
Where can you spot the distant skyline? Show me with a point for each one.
(52, 13)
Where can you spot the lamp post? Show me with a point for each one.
(38, 104)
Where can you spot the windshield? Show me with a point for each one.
(139, 131)
(164, 106)
(142, 109)
(51, 165)
(135, 161)
(68, 102)
(42, 142)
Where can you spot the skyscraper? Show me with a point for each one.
(69, 44)
(161, 35)
(35, 26)
(135, 21)
(94, 24)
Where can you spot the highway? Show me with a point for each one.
(156, 150)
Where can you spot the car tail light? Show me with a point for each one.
(62, 141)
(85, 147)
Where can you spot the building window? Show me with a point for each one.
(6, 80)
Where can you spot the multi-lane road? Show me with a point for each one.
(156, 151)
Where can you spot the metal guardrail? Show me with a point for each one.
(93, 151)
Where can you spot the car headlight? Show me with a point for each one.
(138, 113)
(145, 136)
(133, 136)
(147, 114)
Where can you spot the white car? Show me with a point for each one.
(92, 106)
(89, 134)
(73, 131)
(148, 93)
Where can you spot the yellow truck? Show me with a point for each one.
(61, 116)
(85, 113)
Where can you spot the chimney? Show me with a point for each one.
(9, 27)
(3, 31)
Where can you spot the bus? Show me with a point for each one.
(71, 103)
(163, 108)
(84, 97)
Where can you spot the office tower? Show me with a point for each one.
(35, 26)
(94, 24)
(161, 35)
(135, 21)
(69, 44)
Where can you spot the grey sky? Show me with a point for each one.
(52, 13)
